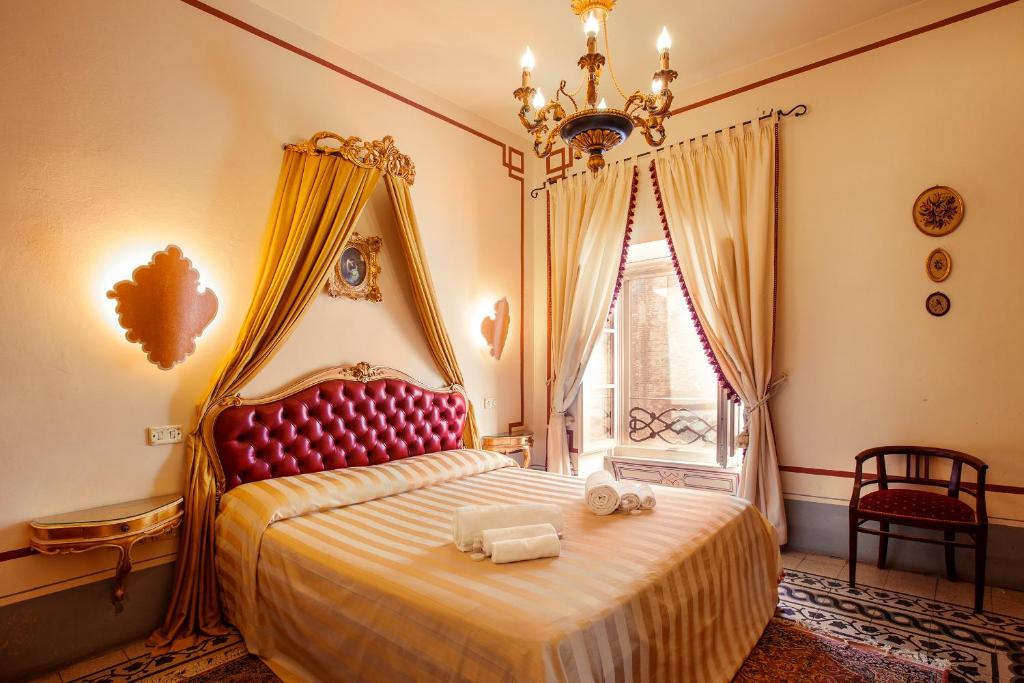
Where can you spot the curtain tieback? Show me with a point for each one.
(743, 438)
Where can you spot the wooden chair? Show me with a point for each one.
(922, 509)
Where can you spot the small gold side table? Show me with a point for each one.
(118, 526)
(510, 443)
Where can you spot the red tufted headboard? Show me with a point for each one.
(343, 417)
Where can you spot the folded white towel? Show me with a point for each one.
(647, 500)
(491, 536)
(629, 496)
(471, 520)
(519, 549)
(602, 493)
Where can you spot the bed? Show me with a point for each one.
(335, 560)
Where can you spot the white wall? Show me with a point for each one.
(128, 126)
(867, 365)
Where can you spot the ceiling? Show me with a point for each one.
(467, 51)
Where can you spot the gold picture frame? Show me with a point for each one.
(939, 265)
(355, 273)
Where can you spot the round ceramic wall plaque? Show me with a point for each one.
(940, 265)
(937, 304)
(938, 211)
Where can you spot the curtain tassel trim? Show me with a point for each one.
(743, 438)
(382, 155)
(626, 238)
(701, 334)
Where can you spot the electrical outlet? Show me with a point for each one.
(490, 403)
(161, 436)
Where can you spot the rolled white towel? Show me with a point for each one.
(519, 549)
(602, 493)
(629, 496)
(471, 520)
(647, 500)
(491, 536)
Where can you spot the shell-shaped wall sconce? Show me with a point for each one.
(495, 328)
(163, 309)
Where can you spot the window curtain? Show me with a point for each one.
(425, 297)
(718, 199)
(320, 193)
(588, 227)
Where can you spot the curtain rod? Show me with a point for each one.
(795, 111)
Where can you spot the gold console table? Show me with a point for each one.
(510, 443)
(118, 526)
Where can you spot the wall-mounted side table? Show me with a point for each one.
(510, 443)
(118, 526)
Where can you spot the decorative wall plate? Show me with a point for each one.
(938, 210)
(937, 304)
(939, 265)
(354, 276)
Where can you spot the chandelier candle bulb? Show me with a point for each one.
(538, 100)
(591, 26)
(657, 86)
(602, 104)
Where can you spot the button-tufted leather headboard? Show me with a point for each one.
(332, 423)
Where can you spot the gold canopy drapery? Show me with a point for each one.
(320, 194)
(426, 299)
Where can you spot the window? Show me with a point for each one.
(649, 389)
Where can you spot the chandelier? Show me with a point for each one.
(594, 128)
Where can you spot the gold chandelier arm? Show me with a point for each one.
(608, 52)
(561, 89)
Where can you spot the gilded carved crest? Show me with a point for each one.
(380, 154)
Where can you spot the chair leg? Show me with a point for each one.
(883, 544)
(853, 549)
(980, 552)
(950, 537)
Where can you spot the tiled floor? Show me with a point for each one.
(815, 573)
(998, 600)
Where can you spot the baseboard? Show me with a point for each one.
(822, 528)
(46, 633)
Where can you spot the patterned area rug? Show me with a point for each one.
(791, 652)
(978, 647)
(914, 636)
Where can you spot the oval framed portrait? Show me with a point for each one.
(354, 275)
(937, 304)
(938, 211)
(939, 265)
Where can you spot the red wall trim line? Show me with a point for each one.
(849, 53)
(511, 158)
(844, 474)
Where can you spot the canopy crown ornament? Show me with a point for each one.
(380, 154)
(594, 128)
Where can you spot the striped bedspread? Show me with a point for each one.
(351, 575)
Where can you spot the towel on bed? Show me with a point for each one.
(520, 549)
(491, 536)
(647, 499)
(470, 521)
(629, 496)
(602, 493)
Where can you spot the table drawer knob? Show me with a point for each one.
(125, 528)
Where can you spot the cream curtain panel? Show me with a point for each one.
(320, 194)
(425, 297)
(588, 223)
(719, 200)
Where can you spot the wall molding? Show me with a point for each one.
(849, 474)
(512, 159)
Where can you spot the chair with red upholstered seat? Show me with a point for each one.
(923, 509)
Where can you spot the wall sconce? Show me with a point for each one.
(162, 308)
(495, 328)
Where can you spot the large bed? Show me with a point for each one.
(335, 557)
